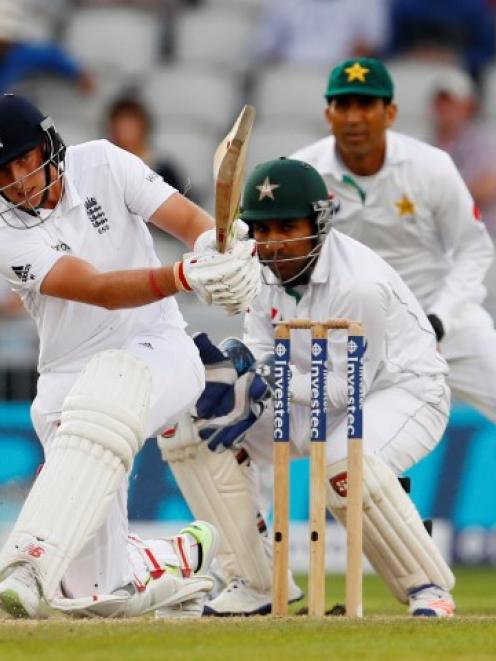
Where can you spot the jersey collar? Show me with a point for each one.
(71, 197)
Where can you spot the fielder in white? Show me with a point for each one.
(116, 365)
(406, 200)
(312, 271)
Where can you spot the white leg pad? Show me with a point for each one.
(147, 564)
(166, 591)
(395, 540)
(217, 490)
(102, 428)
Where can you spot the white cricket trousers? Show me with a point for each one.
(470, 351)
(103, 564)
(400, 424)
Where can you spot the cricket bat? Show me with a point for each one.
(229, 166)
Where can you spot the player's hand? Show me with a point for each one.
(223, 365)
(207, 241)
(230, 280)
(244, 403)
(235, 292)
(234, 395)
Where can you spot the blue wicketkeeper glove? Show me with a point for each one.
(234, 396)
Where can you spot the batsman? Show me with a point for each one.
(115, 364)
(311, 271)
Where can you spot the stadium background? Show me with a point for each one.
(192, 65)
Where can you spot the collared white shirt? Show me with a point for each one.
(418, 215)
(108, 194)
(350, 281)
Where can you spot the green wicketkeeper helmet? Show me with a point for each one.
(283, 189)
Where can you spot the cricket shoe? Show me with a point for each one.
(207, 538)
(20, 594)
(430, 601)
(240, 599)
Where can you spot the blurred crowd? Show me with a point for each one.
(165, 78)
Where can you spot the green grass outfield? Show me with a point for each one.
(384, 633)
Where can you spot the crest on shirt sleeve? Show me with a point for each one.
(152, 176)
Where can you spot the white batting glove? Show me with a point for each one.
(207, 241)
(235, 292)
(230, 280)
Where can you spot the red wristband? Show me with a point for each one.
(182, 283)
(154, 286)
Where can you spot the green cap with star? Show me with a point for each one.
(362, 75)
(281, 189)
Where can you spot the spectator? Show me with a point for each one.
(129, 125)
(452, 28)
(471, 146)
(20, 60)
(313, 31)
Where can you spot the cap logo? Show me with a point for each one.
(266, 189)
(356, 72)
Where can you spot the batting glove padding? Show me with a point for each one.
(207, 241)
(231, 403)
(230, 280)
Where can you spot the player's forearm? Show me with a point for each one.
(201, 222)
(183, 219)
(129, 289)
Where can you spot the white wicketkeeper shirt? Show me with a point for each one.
(108, 194)
(417, 213)
(350, 281)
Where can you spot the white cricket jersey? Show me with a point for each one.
(350, 281)
(108, 194)
(417, 213)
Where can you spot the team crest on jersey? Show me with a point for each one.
(23, 272)
(405, 206)
(96, 215)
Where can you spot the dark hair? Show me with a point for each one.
(130, 104)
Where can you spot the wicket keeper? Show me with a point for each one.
(313, 271)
